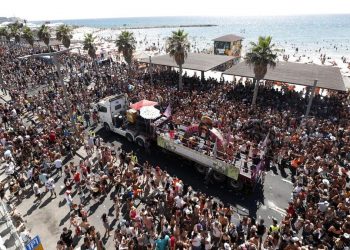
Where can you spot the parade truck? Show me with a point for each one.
(143, 124)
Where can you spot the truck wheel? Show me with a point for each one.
(141, 143)
(235, 184)
(219, 177)
(106, 126)
(129, 137)
(200, 168)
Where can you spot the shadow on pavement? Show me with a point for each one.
(46, 202)
(251, 201)
(64, 219)
(32, 208)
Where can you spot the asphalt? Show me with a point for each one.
(49, 217)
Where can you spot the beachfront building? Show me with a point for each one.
(229, 45)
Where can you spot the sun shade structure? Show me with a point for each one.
(53, 42)
(327, 77)
(194, 61)
(228, 38)
(141, 104)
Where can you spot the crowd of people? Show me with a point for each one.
(44, 125)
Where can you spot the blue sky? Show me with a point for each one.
(78, 9)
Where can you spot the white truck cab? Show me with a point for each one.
(110, 107)
(112, 111)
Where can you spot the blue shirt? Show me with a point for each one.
(162, 243)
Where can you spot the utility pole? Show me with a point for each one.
(61, 81)
(150, 69)
(311, 97)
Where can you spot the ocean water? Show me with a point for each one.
(330, 33)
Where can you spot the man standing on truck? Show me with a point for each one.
(87, 119)
(95, 118)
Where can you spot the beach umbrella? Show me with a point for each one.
(141, 104)
(149, 112)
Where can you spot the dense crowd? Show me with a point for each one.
(43, 125)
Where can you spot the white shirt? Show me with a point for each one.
(178, 201)
(10, 169)
(323, 206)
(29, 173)
(3, 141)
(8, 154)
(49, 184)
(196, 241)
(216, 231)
(13, 112)
(58, 163)
(36, 189)
(91, 141)
(208, 245)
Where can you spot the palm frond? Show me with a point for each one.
(177, 46)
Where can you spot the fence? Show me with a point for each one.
(7, 221)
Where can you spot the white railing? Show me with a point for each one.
(4, 214)
(196, 156)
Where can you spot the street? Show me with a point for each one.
(49, 217)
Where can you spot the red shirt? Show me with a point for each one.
(77, 177)
(52, 136)
(84, 169)
(172, 241)
(291, 210)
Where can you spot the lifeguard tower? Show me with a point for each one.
(229, 45)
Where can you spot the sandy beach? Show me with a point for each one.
(151, 44)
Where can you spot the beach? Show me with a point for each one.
(151, 42)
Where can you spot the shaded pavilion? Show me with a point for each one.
(194, 61)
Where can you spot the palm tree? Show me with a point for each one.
(28, 35)
(44, 35)
(64, 34)
(177, 46)
(15, 31)
(5, 33)
(126, 44)
(89, 45)
(260, 56)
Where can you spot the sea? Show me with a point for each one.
(311, 34)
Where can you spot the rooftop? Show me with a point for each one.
(229, 38)
(194, 61)
(327, 77)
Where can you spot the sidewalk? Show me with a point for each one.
(4, 98)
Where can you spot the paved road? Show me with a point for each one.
(266, 202)
(48, 218)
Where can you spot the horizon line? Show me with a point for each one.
(224, 16)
